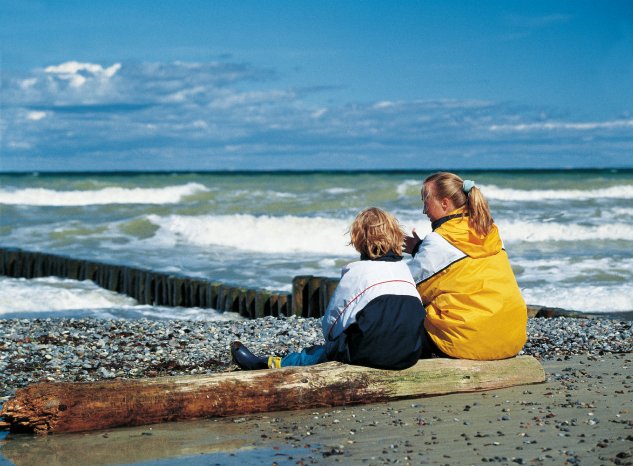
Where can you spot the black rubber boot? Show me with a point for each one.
(245, 359)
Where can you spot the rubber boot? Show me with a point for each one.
(245, 359)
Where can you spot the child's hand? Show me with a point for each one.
(411, 242)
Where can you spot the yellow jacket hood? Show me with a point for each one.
(461, 235)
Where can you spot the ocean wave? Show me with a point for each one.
(561, 269)
(519, 231)
(338, 191)
(586, 298)
(262, 234)
(111, 195)
(510, 194)
(53, 294)
(622, 211)
(258, 193)
(327, 236)
(57, 297)
(407, 187)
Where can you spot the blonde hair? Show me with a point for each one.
(375, 232)
(452, 186)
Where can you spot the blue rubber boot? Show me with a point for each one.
(245, 359)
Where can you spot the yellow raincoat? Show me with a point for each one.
(474, 309)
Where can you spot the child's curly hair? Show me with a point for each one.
(375, 232)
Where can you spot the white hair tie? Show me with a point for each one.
(468, 185)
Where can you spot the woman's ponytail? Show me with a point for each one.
(479, 216)
(464, 193)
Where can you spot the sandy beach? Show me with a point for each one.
(582, 414)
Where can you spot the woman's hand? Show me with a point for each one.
(411, 242)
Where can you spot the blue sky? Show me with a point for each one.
(205, 85)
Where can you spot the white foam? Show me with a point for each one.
(327, 263)
(519, 231)
(559, 270)
(51, 296)
(111, 195)
(586, 298)
(55, 294)
(404, 188)
(508, 194)
(493, 192)
(327, 236)
(259, 193)
(622, 211)
(336, 191)
(263, 234)
(589, 285)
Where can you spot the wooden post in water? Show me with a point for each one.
(262, 304)
(284, 305)
(314, 301)
(300, 295)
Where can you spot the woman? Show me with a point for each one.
(474, 309)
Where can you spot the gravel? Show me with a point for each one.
(90, 349)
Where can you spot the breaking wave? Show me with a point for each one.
(110, 195)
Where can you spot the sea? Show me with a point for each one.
(568, 233)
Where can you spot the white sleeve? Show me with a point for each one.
(337, 304)
(433, 256)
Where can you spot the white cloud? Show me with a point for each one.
(184, 95)
(384, 104)
(35, 115)
(233, 99)
(21, 145)
(318, 113)
(79, 73)
(560, 125)
(27, 83)
(200, 124)
(75, 83)
(183, 112)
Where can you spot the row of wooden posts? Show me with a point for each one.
(309, 296)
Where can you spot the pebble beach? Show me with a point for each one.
(582, 414)
(92, 349)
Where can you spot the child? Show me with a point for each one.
(375, 317)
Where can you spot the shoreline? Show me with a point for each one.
(583, 413)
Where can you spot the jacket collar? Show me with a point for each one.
(458, 213)
(389, 257)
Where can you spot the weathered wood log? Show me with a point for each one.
(74, 407)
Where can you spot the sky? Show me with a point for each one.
(237, 85)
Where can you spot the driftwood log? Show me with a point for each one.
(84, 406)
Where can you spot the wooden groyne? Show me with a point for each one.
(309, 298)
(147, 286)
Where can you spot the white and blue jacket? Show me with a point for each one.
(375, 317)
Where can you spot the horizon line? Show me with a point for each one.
(310, 171)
